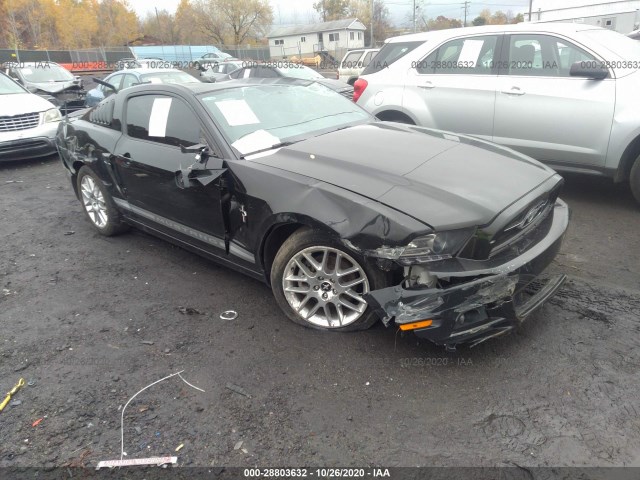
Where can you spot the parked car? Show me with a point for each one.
(290, 70)
(51, 81)
(28, 122)
(212, 58)
(354, 62)
(347, 218)
(565, 94)
(125, 63)
(220, 71)
(124, 79)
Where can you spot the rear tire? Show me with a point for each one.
(634, 180)
(98, 205)
(319, 284)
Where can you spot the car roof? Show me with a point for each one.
(199, 88)
(143, 70)
(561, 28)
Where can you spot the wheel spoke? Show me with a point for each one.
(304, 268)
(352, 283)
(312, 261)
(297, 289)
(304, 302)
(348, 271)
(315, 308)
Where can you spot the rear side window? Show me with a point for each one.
(469, 56)
(389, 54)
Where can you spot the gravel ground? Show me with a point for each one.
(88, 321)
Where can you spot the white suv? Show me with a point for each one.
(354, 62)
(565, 94)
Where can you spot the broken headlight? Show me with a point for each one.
(52, 115)
(428, 248)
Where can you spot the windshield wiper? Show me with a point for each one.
(275, 145)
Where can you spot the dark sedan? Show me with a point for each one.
(349, 219)
(286, 69)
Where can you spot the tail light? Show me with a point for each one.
(358, 88)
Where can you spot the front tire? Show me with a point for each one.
(98, 205)
(319, 284)
(634, 180)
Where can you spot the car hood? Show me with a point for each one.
(19, 103)
(442, 179)
(55, 87)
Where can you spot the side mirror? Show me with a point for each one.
(594, 69)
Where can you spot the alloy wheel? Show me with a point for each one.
(325, 286)
(93, 201)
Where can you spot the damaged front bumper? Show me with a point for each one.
(483, 298)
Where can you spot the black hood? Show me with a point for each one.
(444, 180)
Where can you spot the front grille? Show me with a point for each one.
(19, 122)
(25, 144)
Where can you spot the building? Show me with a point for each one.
(333, 38)
(620, 15)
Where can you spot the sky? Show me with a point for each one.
(301, 11)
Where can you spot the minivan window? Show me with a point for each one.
(351, 60)
(389, 54)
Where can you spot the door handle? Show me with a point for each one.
(514, 91)
(427, 85)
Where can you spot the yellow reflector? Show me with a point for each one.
(415, 325)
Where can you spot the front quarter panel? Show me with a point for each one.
(273, 197)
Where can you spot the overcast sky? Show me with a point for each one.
(300, 11)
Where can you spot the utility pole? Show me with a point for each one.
(414, 16)
(466, 9)
(530, 6)
(372, 41)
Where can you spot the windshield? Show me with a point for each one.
(8, 86)
(258, 117)
(45, 72)
(167, 77)
(299, 71)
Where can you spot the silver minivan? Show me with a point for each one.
(565, 94)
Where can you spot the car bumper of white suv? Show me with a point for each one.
(30, 143)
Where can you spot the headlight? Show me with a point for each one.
(52, 115)
(428, 248)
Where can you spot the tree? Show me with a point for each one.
(443, 23)
(234, 21)
(76, 23)
(361, 9)
(162, 25)
(188, 24)
(518, 18)
(117, 23)
(479, 21)
(331, 9)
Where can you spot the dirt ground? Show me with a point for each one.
(88, 321)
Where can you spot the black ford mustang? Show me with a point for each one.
(349, 219)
